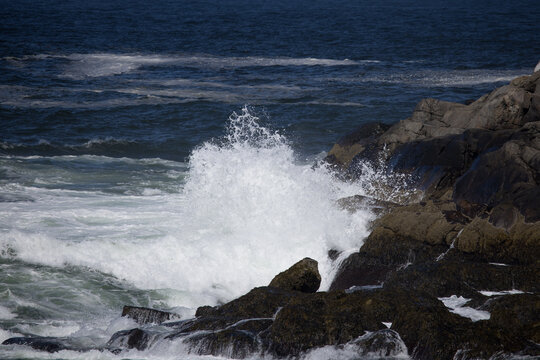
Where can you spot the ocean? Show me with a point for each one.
(161, 153)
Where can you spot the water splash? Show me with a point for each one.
(248, 210)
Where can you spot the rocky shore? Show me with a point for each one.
(450, 270)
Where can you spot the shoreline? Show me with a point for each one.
(450, 275)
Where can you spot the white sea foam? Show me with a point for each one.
(453, 78)
(455, 304)
(6, 314)
(248, 211)
(395, 349)
(5, 334)
(498, 293)
(106, 64)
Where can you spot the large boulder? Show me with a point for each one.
(508, 107)
(303, 276)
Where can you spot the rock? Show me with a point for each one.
(303, 276)
(507, 108)
(262, 302)
(320, 319)
(518, 314)
(129, 339)
(382, 343)
(520, 244)
(48, 344)
(147, 316)
(230, 343)
(510, 174)
(356, 202)
(351, 144)
(434, 165)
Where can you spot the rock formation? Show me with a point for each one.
(452, 274)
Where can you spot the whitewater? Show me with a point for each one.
(83, 235)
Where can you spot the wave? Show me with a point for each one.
(247, 211)
(99, 146)
(177, 92)
(107, 64)
(446, 78)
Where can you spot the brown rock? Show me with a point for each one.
(303, 276)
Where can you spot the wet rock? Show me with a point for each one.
(147, 316)
(381, 343)
(351, 144)
(507, 175)
(508, 107)
(518, 314)
(48, 344)
(458, 274)
(129, 339)
(230, 343)
(262, 302)
(435, 164)
(313, 320)
(303, 276)
(519, 245)
(356, 202)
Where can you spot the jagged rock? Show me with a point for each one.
(351, 144)
(147, 316)
(303, 276)
(510, 174)
(508, 107)
(434, 165)
(520, 244)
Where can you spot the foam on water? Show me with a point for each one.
(455, 304)
(106, 64)
(248, 210)
(499, 293)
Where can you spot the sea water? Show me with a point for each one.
(162, 153)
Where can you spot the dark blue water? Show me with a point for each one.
(156, 78)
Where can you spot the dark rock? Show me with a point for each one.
(204, 311)
(47, 344)
(351, 144)
(303, 276)
(262, 302)
(520, 245)
(435, 164)
(355, 202)
(333, 254)
(147, 316)
(231, 343)
(518, 314)
(458, 274)
(380, 343)
(503, 175)
(129, 339)
(237, 341)
(313, 320)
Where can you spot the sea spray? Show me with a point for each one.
(247, 210)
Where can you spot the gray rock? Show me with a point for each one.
(144, 315)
